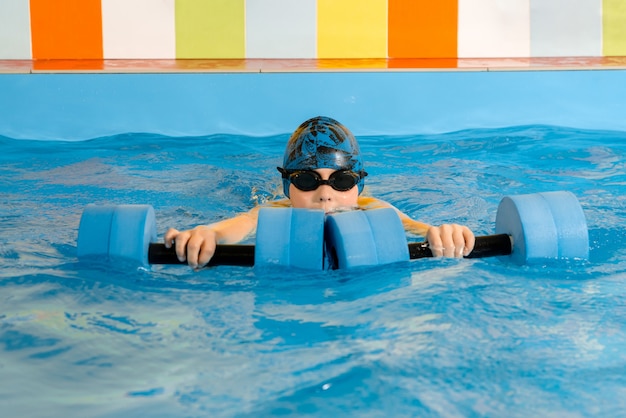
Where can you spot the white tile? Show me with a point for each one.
(139, 29)
(559, 29)
(15, 41)
(494, 28)
(281, 29)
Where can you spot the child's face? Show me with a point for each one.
(324, 197)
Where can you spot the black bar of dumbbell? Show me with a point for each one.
(485, 246)
(243, 255)
(225, 255)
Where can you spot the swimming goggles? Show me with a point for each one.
(307, 180)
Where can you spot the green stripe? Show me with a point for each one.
(210, 29)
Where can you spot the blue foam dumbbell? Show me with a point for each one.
(544, 226)
(285, 237)
(365, 238)
(290, 237)
(128, 232)
(123, 231)
(529, 228)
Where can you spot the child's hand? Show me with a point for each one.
(450, 240)
(196, 245)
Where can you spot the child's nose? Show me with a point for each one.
(324, 193)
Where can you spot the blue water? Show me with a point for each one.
(433, 338)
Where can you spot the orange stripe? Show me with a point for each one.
(423, 28)
(66, 29)
(423, 63)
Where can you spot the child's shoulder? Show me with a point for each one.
(368, 202)
(282, 203)
(364, 202)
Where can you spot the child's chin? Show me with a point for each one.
(341, 209)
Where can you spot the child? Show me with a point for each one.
(322, 169)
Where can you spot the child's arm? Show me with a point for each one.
(410, 225)
(449, 240)
(197, 245)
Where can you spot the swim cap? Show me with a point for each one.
(322, 142)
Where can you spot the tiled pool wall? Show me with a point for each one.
(310, 29)
(76, 70)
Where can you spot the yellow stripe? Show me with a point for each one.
(614, 27)
(352, 29)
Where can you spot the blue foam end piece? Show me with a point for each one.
(389, 234)
(133, 228)
(349, 240)
(528, 220)
(308, 239)
(366, 238)
(110, 232)
(93, 231)
(543, 226)
(272, 237)
(571, 224)
(290, 237)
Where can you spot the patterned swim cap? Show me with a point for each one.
(322, 142)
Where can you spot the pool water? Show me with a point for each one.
(431, 337)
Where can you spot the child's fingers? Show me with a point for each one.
(207, 250)
(194, 246)
(200, 247)
(170, 236)
(458, 241)
(470, 241)
(180, 241)
(434, 241)
(450, 240)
